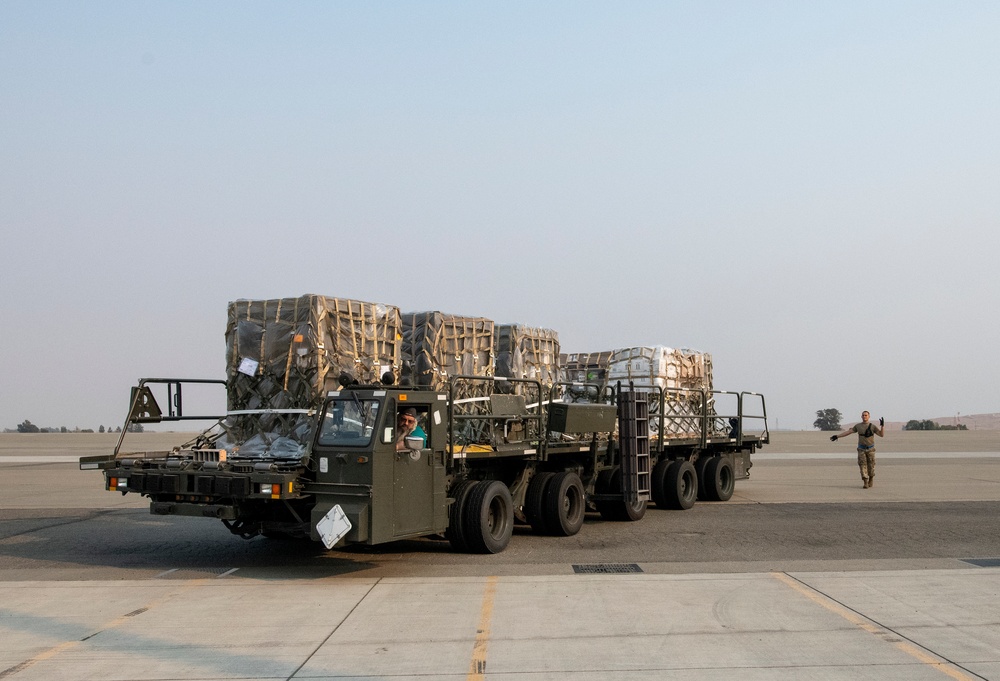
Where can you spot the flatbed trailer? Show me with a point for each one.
(512, 453)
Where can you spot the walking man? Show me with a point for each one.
(866, 445)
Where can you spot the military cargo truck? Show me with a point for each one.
(307, 449)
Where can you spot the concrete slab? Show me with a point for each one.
(927, 624)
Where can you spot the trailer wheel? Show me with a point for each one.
(602, 485)
(682, 485)
(565, 504)
(700, 467)
(455, 534)
(534, 502)
(720, 481)
(488, 520)
(610, 482)
(658, 483)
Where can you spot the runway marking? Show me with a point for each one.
(872, 628)
(117, 622)
(477, 667)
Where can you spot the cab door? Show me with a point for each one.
(418, 481)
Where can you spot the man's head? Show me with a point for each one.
(865, 416)
(407, 418)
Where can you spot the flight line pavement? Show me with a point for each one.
(825, 622)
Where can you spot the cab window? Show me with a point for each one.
(348, 422)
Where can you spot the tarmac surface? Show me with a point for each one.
(802, 574)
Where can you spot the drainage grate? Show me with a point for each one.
(606, 568)
(982, 562)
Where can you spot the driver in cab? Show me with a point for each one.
(406, 426)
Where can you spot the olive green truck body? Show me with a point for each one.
(329, 463)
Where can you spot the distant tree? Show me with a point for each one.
(828, 419)
(27, 427)
(135, 428)
(101, 429)
(63, 430)
(927, 424)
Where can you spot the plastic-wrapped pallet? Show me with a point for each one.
(283, 355)
(584, 367)
(527, 352)
(685, 375)
(437, 346)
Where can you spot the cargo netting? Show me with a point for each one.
(585, 371)
(685, 378)
(283, 355)
(438, 346)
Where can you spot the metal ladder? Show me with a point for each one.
(633, 444)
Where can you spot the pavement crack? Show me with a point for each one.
(885, 633)
(334, 630)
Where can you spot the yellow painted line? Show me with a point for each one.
(117, 622)
(872, 628)
(477, 668)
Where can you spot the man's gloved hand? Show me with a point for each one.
(833, 438)
(881, 422)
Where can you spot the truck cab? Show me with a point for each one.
(359, 455)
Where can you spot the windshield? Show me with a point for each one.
(348, 422)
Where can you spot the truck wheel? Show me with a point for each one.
(565, 504)
(602, 485)
(534, 501)
(454, 534)
(699, 470)
(682, 485)
(658, 483)
(719, 479)
(488, 520)
(617, 509)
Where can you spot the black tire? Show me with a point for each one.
(455, 534)
(602, 485)
(488, 517)
(658, 483)
(618, 510)
(699, 470)
(720, 480)
(534, 502)
(565, 504)
(682, 485)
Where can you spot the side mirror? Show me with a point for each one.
(414, 443)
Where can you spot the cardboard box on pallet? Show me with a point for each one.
(676, 370)
(527, 352)
(285, 353)
(685, 376)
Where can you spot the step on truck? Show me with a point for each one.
(312, 444)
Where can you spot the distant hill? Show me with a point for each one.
(970, 421)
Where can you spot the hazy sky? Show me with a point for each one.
(809, 191)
